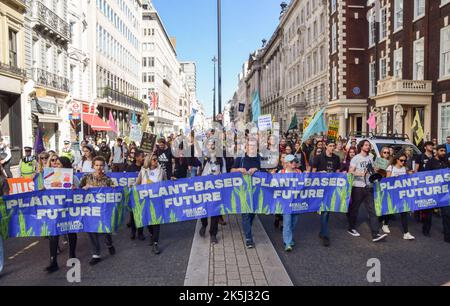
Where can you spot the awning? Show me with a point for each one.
(96, 123)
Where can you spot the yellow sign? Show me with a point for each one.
(41, 92)
(333, 129)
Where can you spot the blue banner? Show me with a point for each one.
(120, 179)
(419, 191)
(293, 193)
(58, 212)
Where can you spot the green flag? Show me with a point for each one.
(294, 123)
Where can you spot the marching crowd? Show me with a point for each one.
(290, 156)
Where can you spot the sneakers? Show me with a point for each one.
(385, 229)
(112, 250)
(249, 245)
(52, 268)
(288, 248)
(379, 237)
(202, 231)
(214, 240)
(354, 233)
(325, 241)
(408, 236)
(155, 249)
(94, 261)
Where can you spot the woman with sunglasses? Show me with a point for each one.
(151, 173)
(42, 161)
(345, 165)
(85, 164)
(384, 220)
(398, 168)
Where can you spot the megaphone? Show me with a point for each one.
(374, 176)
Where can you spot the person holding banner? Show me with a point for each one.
(152, 172)
(86, 164)
(362, 192)
(397, 168)
(249, 164)
(327, 162)
(440, 161)
(386, 157)
(92, 180)
(66, 163)
(139, 159)
(4, 190)
(289, 220)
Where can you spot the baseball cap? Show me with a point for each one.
(66, 142)
(27, 148)
(441, 146)
(290, 158)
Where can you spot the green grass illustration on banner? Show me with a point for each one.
(333, 201)
(379, 195)
(242, 193)
(262, 209)
(44, 230)
(24, 232)
(4, 219)
(154, 217)
(322, 207)
(278, 209)
(391, 208)
(173, 217)
(233, 209)
(100, 227)
(113, 220)
(222, 210)
(138, 209)
(406, 207)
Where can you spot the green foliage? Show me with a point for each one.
(113, 220)
(406, 207)
(391, 208)
(233, 205)
(242, 193)
(222, 210)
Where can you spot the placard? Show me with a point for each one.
(265, 122)
(58, 178)
(148, 142)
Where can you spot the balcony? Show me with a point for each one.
(50, 80)
(118, 97)
(49, 22)
(406, 92)
(13, 70)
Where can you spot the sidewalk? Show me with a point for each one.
(229, 263)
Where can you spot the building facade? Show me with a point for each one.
(12, 75)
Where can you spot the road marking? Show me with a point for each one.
(24, 249)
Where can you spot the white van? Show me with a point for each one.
(378, 142)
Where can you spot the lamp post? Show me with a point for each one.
(214, 89)
(219, 43)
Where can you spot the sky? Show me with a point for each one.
(194, 24)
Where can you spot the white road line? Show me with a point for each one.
(24, 249)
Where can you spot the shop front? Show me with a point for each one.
(48, 120)
(351, 115)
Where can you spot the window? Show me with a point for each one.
(334, 83)
(444, 126)
(445, 52)
(371, 27)
(383, 23)
(372, 80)
(398, 17)
(419, 8)
(419, 59)
(334, 38)
(383, 71)
(333, 6)
(151, 62)
(398, 63)
(12, 48)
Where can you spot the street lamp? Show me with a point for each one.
(219, 43)
(214, 89)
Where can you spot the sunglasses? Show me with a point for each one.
(387, 152)
(44, 158)
(402, 160)
(54, 159)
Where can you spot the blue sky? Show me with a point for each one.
(194, 24)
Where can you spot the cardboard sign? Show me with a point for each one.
(148, 142)
(333, 129)
(20, 185)
(58, 178)
(135, 132)
(265, 122)
(381, 163)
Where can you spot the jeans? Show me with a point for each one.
(95, 241)
(289, 223)
(194, 171)
(324, 230)
(247, 223)
(363, 195)
(1, 253)
(54, 240)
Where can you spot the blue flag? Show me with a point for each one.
(192, 117)
(256, 106)
(316, 126)
(134, 118)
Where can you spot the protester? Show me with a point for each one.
(61, 162)
(301, 157)
(104, 151)
(194, 161)
(283, 145)
(362, 192)
(42, 161)
(92, 180)
(288, 149)
(289, 220)
(67, 151)
(447, 146)
(212, 165)
(426, 156)
(136, 166)
(28, 164)
(152, 172)
(345, 165)
(5, 157)
(118, 156)
(410, 161)
(4, 190)
(317, 152)
(385, 154)
(165, 158)
(249, 164)
(327, 162)
(308, 147)
(181, 165)
(86, 163)
(439, 161)
(339, 151)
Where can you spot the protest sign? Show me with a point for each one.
(148, 142)
(120, 179)
(333, 129)
(58, 178)
(20, 185)
(265, 122)
(135, 133)
(381, 163)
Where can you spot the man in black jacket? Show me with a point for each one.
(439, 161)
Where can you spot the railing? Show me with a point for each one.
(13, 69)
(50, 19)
(107, 92)
(45, 78)
(413, 86)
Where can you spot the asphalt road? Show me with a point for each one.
(133, 263)
(425, 261)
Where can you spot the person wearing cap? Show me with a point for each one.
(289, 220)
(439, 161)
(423, 159)
(327, 162)
(68, 152)
(28, 164)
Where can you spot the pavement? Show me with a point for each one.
(190, 260)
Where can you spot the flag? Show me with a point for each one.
(256, 106)
(417, 129)
(192, 118)
(112, 123)
(134, 118)
(306, 121)
(154, 100)
(38, 142)
(372, 122)
(316, 126)
(294, 123)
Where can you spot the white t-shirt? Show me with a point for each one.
(361, 162)
(86, 166)
(396, 171)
